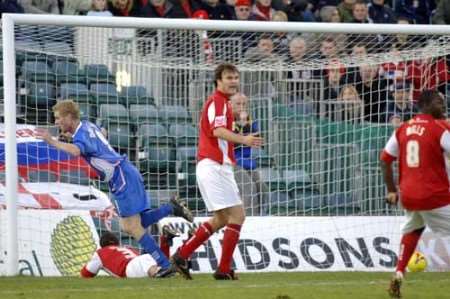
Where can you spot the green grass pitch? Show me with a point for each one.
(334, 285)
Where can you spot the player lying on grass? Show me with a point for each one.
(125, 262)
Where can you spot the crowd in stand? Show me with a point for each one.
(350, 11)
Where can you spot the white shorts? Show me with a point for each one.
(138, 267)
(217, 185)
(437, 220)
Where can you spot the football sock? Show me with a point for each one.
(407, 246)
(230, 239)
(148, 217)
(150, 247)
(165, 247)
(201, 235)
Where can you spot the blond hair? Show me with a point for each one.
(67, 107)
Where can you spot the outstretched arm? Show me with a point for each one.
(249, 140)
(67, 147)
(92, 267)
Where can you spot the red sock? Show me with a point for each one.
(407, 246)
(201, 235)
(165, 247)
(230, 239)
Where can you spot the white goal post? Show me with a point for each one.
(9, 21)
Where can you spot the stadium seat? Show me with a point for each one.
(174, 114)
(104, 93)
(135, 95)
(342, 204)
(40, 94)
(113, 113)
(184, 134)
(186, 153)
(38, 176)
(153, 134)
(114, 117)
(144, 114)
(297, 179)
(73, 177)
(98, 73)
(262, 158)
(272, 178)
(67, 72)
(37, 71)
(76, 91)
(87, 111)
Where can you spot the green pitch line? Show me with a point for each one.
(332, 285)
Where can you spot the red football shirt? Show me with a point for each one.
(112, 259)
(216, 113)
(420, 146)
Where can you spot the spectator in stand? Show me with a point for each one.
(40, 6)
(122, 8)
(329, 14)
(10, 6)
(333, 80)
(360, 12)
(280, 39)
(396, 69)
(163, 9)
(252, 189)
(263, 53)
(328, 48)
(296, 57)
(348, 105)
(262, 10)
(345, 9)
(419, 11)
(402, 107)
(373, 91)
(242, 10)
(442, 14)
(380, 13)
(99, 9)
(298, 11)
(77, 7)
(428, 73)
(216, 10)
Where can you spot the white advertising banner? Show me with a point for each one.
(315, 244)
(51, 242)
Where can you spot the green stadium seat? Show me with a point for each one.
(342, 204)
(120, 136)
(37, 71)
(144, 114)
(174, 114)
(184, 134)
(98, 73)
(113, 113)
(67, 71)
(104, 93)
(76, 91)
(153, 134)
(40, 94)
(135, 95)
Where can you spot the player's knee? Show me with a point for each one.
(131, 227)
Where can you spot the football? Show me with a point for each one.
(417, 262)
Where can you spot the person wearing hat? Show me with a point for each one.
(401, 108)
(242, 10)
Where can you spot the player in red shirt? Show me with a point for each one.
(215, 175)
(119, 261)
(420, 146)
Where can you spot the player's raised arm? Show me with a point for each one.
(45, 135)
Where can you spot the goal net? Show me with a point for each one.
(325, 103)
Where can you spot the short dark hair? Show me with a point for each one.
(108, 238)
(221, 68)
(426, 97)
